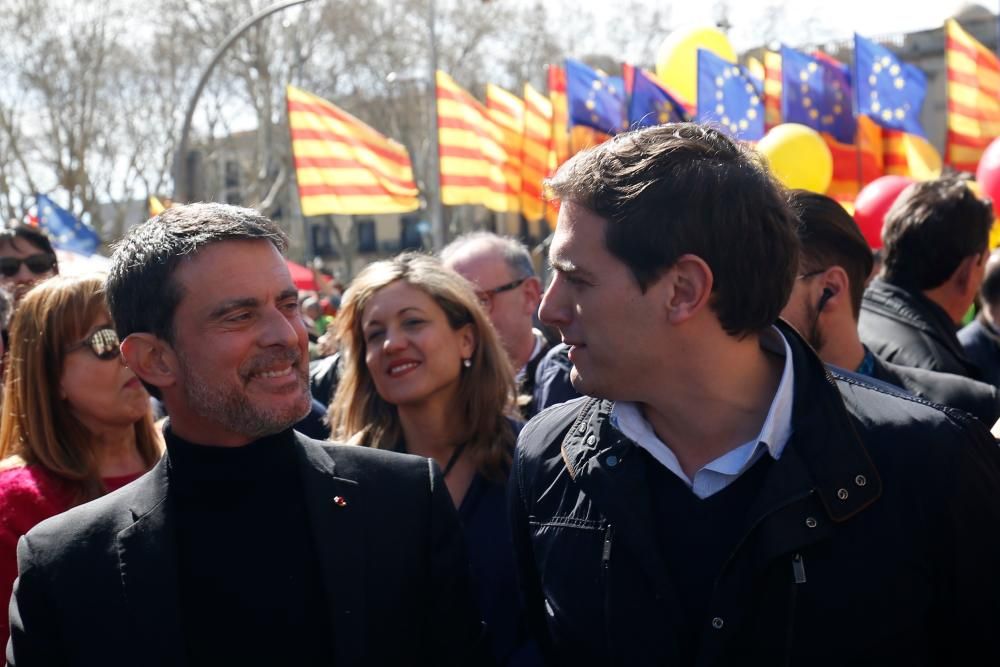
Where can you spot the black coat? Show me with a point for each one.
(873, 540)
(979, 399)
(98, 584)
(907, 328)
(982, 345)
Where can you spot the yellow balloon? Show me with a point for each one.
(798, 157)
(677, 58)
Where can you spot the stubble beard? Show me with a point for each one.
(231, 408)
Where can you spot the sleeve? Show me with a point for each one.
(967, 535)
(460, 638)
(532, 598)
(32, 637)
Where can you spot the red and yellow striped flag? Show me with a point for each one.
(772, 89)
(910, 155)
(507, 111)
(559, 148)
(471, 145)
(855, 165)
(973, 97)
(342, 165)
(535, 155)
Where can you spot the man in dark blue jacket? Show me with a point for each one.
(981, 338)
(725, 499)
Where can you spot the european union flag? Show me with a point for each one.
(651, 104)
(817, 94)
(66, 232)
(595, 100)
(727, 96)
(888, 90)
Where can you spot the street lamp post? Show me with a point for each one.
(181, 191)
(438, 231)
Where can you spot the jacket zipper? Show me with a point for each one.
(798, 577)
(609, 533)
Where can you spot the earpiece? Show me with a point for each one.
(827, 295)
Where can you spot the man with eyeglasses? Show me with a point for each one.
(500, 269)
(26, 256)
(835, 263)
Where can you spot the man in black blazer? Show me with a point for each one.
(248, 544)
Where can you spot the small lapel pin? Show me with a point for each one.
(340, 501)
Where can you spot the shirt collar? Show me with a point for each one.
(774, 433)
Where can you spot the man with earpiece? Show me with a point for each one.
(835, 263)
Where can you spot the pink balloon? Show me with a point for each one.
(988, 171)
(873, 202)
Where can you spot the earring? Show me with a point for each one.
(467, 363)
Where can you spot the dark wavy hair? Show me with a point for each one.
(682, 188)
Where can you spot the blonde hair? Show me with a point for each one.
(37, 426)
(486, 388)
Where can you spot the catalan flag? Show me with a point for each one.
(342, 165)
(535, 155)
(507, 111)
(156, 206)
(772, 89)
(973, 98)
(559, 150)
(472, 153)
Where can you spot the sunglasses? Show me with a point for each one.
(37, 264)
(103, 343)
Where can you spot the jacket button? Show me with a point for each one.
(810, 522)
(717, 623)
(842, 494)
(611, 460)
(860, 480)
(582, 428)
(591, 439)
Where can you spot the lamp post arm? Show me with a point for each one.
(180, 157)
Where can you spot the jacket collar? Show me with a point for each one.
(913, 308)
(826, 442)
(148, 558)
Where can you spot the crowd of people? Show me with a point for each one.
(724, 433)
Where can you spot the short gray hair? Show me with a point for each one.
(515, 254)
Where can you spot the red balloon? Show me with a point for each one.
(988, 171)
(873, 202)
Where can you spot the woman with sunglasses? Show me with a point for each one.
(75, 422)
(424, 373)
(26, 256)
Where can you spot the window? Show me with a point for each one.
(366, 235)
(410, 237)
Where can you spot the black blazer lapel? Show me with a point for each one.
(147, 559)
(336, 514)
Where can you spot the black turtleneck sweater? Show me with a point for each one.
(251, 592)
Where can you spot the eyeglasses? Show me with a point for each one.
(37, 264)
(103, 343)
(810, 274)
(485, 296)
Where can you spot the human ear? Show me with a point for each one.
(532, 295)
(689, 285)
(151, 359)
(466, 341)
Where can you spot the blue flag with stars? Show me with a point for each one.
(816, 94)
(66, 232)
(888, 90)
(595, 99)
(728, 97)
(651, 104)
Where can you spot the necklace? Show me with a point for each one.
(453, 459)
